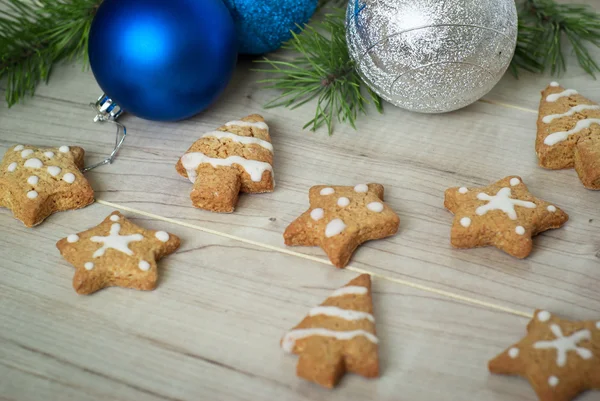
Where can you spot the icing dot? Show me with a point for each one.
(12, 167)
(543, 316)
(64, 149)
(514, 182)
(33, 180)
(376, 207)
(520, 230)
(49, 155)
(143, 265)
(513, 352)
(317, 214)
(463, 190)
(361, 188)
(54, 171)
(88, 265)
(34, 163)
(327, 191)
(69, 178)
(465, 222)
(551, 208)
(343, 201)
(18, 148)
(72, 238)
(598, 325)
(26, 153)
(114, 217)
(162, 236)
(554, 84)
(334, 227)
(553, 381)
(32, 194)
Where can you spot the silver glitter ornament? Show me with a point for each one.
(431, 56)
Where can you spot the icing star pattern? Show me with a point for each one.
(560, 358)
(36, 182)
(116, 253)
(341, 218)
(504, 215)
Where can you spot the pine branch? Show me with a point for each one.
(34, 37)
(323, 70)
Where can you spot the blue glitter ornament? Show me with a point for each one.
(263, 25)
(163, 60)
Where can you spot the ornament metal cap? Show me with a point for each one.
(108, 111)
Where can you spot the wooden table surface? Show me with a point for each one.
(211, 329)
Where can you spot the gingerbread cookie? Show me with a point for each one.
(237, 157)
(337, 336)
(116, 253)
(560, 358)
(503, 214)
(568, 134)
(36, 182)
(342, 218)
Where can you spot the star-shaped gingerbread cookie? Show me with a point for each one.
(341, 218)
(36, 182)
(560, 358)
(503, 214)
(116, 253)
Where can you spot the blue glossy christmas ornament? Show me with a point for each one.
(263, 25)
(163, 59)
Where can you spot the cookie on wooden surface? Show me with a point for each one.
(237, 157)
(116, 253)
(503, 214)
(341, 218)
(568, 133)
(337, 336)
(36, 182)
(560, 358)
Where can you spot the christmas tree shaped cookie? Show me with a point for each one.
(342, 218)
(116, 253)
(568, 134)
(560, 358)
(36, 182)
(337, 336)
(237, 157)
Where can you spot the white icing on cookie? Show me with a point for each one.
(376, 207)
(88, 265)
(26, 153)
(463, 190)
(361, 188)
(54, 171)
(64, 149)
(520, 230)
(69, 178)
(114, 217)
(246, 140)
(554, 84)
(343, 201)
(115, 241)
(33, 180)
(564, 344)
(49, 154)
(555, 96)
(557, 137)
(345, 314)
(465, 222)
(553, 381)
(327, 191)
(18, 148)
(32, 194)
(334, 227)
(34, 163)
(317, 214)
(254, 168)
(551, 208)
(513, 352)
(598, 325)
(258, 124)
(349, 290)
(71, 238)
(502, 201)
(289, 340)
(514, 182)
(162, 236)
(143, 265)
(12, 167)
(575, 109)
(543, 316)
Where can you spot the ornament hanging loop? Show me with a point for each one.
(108, 111)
